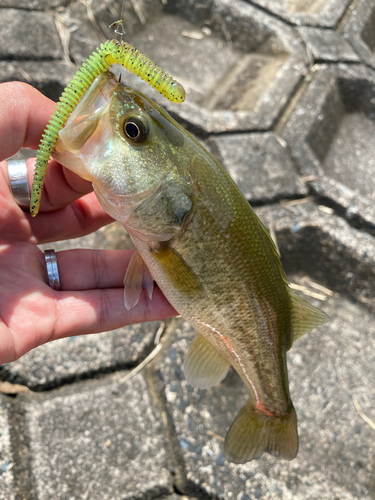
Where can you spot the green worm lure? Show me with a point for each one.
(110, 52)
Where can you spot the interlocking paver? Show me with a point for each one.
(343, 257)
(47, 76)
(260, 164)
(330, 132)
(264, 65)
(39, 38)
(328, 45)
(80, 357)
(325, 13)
(7, 485)
(359, 30)
(97, 440)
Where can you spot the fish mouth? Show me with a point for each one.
(84, 132)
(84, 119)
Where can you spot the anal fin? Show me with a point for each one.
(253, 433)
(137, 276)
(204, 366)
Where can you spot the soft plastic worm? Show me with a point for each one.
(111, 52)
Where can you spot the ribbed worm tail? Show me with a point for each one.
(111, 52)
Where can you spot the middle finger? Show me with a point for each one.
(81, 217)
(84, 269)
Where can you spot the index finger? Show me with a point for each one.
(24, 112)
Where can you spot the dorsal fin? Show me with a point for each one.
(274, 250)
(305, 317)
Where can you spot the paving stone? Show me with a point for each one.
(247, 82)
(85, 36)
(359, 30)
(328, 45)
(110, 237)
(331, 134)
(34, 4)
(97, 440)
(239, 76)
(260, 164)
(176, 497)
(325, 13)
(47, 76)
(327, 368)
(326, 247)
(64, 360)
(39, 38)
(7, 487)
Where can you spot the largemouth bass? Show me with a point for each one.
(198, 238)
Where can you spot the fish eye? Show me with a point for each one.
(136, 129)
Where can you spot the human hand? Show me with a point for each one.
(91, 299)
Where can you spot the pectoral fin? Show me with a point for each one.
(305, 317)
(204, 366)
(177, 271)
(137, 277)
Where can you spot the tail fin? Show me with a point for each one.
(253, 433)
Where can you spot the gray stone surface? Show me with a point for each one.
(330, 132)
(7, 487)
(328, 45)
(264, 64)
(260, 164)
(97, 440)
(65, 360)
(39, 38)
(325, 13)
(47, 76)
(322, 244)
(34, 4)
(359, 30)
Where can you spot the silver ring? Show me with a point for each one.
(52, 270)
(19, 184)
